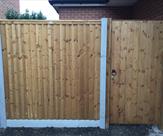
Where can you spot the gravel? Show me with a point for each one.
(113, 130)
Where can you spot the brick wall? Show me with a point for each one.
(143, 9)
(148, 9)
(8, 4)
(94, 13)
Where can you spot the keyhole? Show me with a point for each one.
(114, 73)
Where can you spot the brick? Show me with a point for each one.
(8, 4)
(93, 13)
(148, 10)
(143, 9)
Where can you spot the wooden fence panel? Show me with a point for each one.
(52, 69)
(137, 58)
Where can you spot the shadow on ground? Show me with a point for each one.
(113, 130)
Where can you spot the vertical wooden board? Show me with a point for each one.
(111, 98)
(91, 71)
(80, 55)
(123, 72)
(85, 68)
(16, 74)
(156, 70)
(62, 70)
(131, 70)
(53, 114)
(115, 112)
(27, 70)
(30, 94)
(54, 68)
(45, 70)
(10, 71)
(36, 63)
(57, 68)
(33, 70)
(97, 71)
(141, 73)
(5, 67)
(39, 70)
(108, 72)
(21, 71)
(76, 74)
(79, 65)
(68, 106)
(30, 97)
(146, 32)
(127, 69)
(50, 67)
(140, 77)
(153, 75)
(134, 41)
(70, 70)
(159, 119)
(74, 85)
(24, 55)
(149, 111)
(159, 75)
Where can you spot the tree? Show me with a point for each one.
(12, 14)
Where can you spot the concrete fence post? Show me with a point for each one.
(2, 92)
(104, 30)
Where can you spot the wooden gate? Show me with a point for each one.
(136, 61)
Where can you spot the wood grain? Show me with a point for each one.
(46, 69)
(136, 56)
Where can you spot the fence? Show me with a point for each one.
(52, 70)
(55, 71)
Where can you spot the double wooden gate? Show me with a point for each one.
(52, 70)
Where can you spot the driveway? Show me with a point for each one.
(114, 130)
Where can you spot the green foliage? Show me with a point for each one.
(12, 14)
(40, 16)
(35, 16)
(25, 15)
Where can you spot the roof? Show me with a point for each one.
(91, 3)
(78, 1)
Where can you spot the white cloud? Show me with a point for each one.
(39, 5)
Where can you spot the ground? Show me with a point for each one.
(113, 130)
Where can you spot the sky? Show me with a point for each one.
(39, 5)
